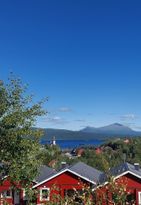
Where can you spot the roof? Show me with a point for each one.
(86, 171)
(79, 169)
(44, 173)
(121, 170)
(125, 167)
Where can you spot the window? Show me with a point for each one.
(75, 194)
(139, 198)
(24, 194)
(131, 198)
(44, 194)
(7, 194)
(69, 192)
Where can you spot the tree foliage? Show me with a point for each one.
(19, 142)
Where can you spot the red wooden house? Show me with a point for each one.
(126, 176)
(65, 181)
(7, 194)
(18, 196)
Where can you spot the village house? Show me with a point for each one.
(9, 196)
(65, 181)
(126, 176)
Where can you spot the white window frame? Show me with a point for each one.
(139, 198)
(4, 194)
(41, 194)
(24, 194)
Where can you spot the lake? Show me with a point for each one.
(70, 144)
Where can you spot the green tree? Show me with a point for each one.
(50, 153)
(19, 142)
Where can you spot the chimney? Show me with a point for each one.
(137, 166)
(63, 165)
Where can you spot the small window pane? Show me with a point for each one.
(45, 194)
(7, 194)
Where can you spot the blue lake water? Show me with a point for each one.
(70, 144)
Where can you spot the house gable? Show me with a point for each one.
(64, 179)
(62, 172)
(131, 181)
(60, 184)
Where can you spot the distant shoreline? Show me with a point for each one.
(70, 144)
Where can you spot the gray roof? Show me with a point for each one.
(121, 169)
(44, 173)
(86, 171)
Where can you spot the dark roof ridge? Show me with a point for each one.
(127, 164)
(82, 163)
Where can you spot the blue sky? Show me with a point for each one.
(85, 55)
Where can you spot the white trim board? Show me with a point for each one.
(120, 175)
(128, 172)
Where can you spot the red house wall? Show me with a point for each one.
(132, 185)
(6, 185)
(61, 183)
(3, 187)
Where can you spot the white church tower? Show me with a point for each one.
(53, 141)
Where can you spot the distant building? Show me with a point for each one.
(53, 142)
(98, 150)
(69, 155)
(79, 152)
(126, 141)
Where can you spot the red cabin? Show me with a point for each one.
(65, 182)
(10, 196)
(126, 177)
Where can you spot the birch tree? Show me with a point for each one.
(19, 142)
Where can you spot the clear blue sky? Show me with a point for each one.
(84, 54)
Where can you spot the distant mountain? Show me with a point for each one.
(113, 130)
(62, 134)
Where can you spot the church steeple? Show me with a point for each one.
(53, 141)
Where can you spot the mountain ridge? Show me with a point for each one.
(115, 128)
(87, 133)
